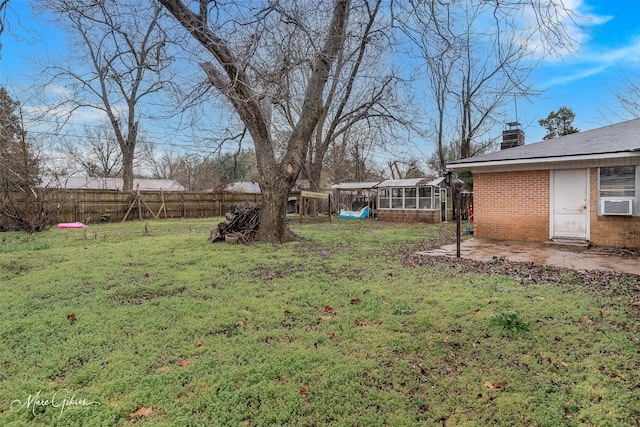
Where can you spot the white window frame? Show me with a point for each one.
(387, 193)
(634, 198)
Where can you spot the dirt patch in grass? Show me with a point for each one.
(527, 273)
(618, 252)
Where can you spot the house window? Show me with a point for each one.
(618, 181)
(618, 187)
(383, 196)
(424, 199)
(397, 194)
(410, 198)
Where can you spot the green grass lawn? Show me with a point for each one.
(116, 325)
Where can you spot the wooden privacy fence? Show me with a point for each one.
(93, 206)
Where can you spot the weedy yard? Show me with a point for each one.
(119, 324)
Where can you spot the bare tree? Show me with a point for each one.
(360, 88)
(628, 97)
(99, 155)
(349, 157)
(126, 52)
(427, 25)
(3, 16)
(478, 55)
(160, 164)
(240, 39)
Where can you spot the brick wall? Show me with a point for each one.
(409, 215)
(511, 205)
(608, 230)
(515, 205)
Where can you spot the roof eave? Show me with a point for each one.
(557, 159)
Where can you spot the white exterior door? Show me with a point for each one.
(570, 204)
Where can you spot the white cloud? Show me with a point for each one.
(596, 62)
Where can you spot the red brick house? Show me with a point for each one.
(580, 187)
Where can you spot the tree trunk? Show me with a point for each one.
(315, 171)
(127, 169)
(273, 227)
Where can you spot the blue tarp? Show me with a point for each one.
(361, 214)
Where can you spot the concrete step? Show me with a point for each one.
(574, 243)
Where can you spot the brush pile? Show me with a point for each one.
(240, 226)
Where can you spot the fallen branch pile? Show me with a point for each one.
(241, 225)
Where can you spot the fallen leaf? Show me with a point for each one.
(602, 311)
(185, 362)
(142, 412)
(304, 390)
(287, 312)
(498, 385)
(72, 317)
(199, 344)
(242, 323)
(355, 300)
(586, 320)
(327, 308)
(246, 422)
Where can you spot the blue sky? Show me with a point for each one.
(583, 81)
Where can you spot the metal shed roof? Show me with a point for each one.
(245, 187)
(412, 182)
(115, 184)
(355, 185)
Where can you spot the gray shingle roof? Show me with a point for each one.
(617, 138)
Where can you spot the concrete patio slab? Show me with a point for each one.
(540, 253)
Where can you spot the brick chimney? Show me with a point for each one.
(512, 137)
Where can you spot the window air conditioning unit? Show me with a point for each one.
(616, 207)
